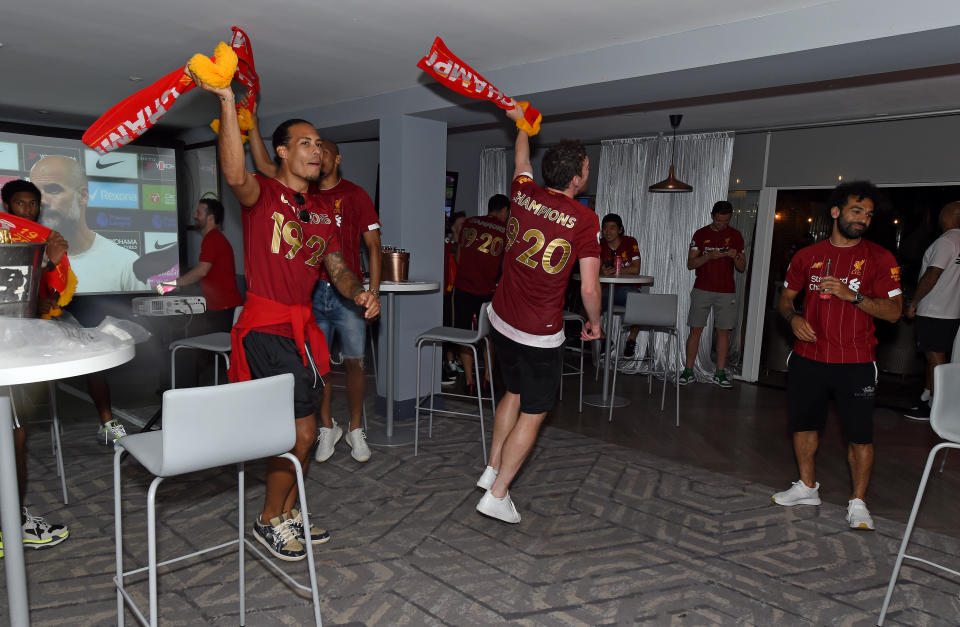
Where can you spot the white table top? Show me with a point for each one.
(13, 374)
(409, 286)
(626, 279)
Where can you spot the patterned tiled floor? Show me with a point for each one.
(609, 536)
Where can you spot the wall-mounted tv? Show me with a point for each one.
(117, 211)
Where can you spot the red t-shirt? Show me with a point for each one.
(482, 239)
(628, 251)
(220, 285)
(354, 214)
(845, 334)
(716, 275)
(282, 255)
(546, 233)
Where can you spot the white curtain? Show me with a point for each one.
(663, 224)
(494, 176)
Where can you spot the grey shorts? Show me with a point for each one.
(724, 309)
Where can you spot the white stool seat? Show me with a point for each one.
(215, 342)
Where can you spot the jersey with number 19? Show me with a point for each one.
(283, 254)
(547, 233)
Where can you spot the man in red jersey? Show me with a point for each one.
(617, 245)
(287, 234)
(337, 315)
(715, 251)
(847, 282)
(546, 233)
(478, 255)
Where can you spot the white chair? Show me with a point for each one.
(659, 312)
(945, 420)
(569, 369)
(244, 422)
(465, 337)
(217, 343)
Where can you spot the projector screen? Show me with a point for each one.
(117, 211)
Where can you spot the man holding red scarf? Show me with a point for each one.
(287, 234)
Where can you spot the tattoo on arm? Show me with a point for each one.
(340, 275)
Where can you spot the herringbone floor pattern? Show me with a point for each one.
(610, 536)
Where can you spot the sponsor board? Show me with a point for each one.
(164, 221)
(112, 195)
(35, 152)
(158, 167)
(6, 178)
(131, 240)
(9, 156)
(159, 197)
(121, 165)
(110, 220)
(158, 240)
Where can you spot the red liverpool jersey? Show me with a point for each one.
(283, 254)
(628, 251)
(354, 214)
(845, 334)
(716, 275)
(482, 240)
(546, 234)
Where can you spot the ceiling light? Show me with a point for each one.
(672, 184)
(840, 177)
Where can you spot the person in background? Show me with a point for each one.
(716, 251)
(936, 304)
(451, 366)
(617, 245)
(847, 281)
(479, 253)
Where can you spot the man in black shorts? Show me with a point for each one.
(479, 253)
(936, 303)
(546, 233)
(847, 282)
(287, 234)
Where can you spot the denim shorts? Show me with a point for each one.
(340, 317)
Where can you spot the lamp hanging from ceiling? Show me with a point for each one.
(672, 183)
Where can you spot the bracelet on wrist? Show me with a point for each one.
(791, 316)
(225, 99)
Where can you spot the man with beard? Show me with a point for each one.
(847, 282)
(100, 264)
(288, 234)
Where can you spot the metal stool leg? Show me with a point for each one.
(416, 402)
(55, 439)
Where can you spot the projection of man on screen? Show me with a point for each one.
(100, 264)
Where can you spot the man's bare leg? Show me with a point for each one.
(508, 411)
(355, 389)
(723, 347)
(515, 450)
(693, 345)
(860, 458)
(805, 445)
(281, 493)
(933, 360)
(99, 389)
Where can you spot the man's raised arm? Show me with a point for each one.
(258, 149)
(521, 149)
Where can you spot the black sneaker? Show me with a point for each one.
(921, 412)
(629, 349)
(280, 538)
(317, 535)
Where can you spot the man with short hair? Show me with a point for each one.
(547, 232)
(847, 281)
(715, 251)
(22, 199)
(216, 271)
(617, 245)
(936, 303)
(359, 225)
(287, 235)
(479, 253)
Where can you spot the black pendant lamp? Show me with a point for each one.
(672, 183)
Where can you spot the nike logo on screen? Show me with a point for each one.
(159, 246)
(101, 166)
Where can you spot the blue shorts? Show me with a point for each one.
(340, 317)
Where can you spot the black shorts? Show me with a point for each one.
(466, 306)
(854, 386)
(935, 335)
(269, 355)
(531, 372)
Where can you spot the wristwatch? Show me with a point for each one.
(858, 298)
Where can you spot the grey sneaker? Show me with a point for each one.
(109, 433)
(280, 538)
(798, 494)
(39, 534)
(686, 376)
(501, 509)
(858, 515)
(357, 440)
(317, 535)
(720, 378)
(327, 440)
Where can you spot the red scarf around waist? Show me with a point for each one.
(261, 312)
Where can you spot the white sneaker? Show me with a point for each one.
(357, 440)
(858, 515)
(111, 432)
(798, 494)
(485, 482)
(501, 509)
(327, 440)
